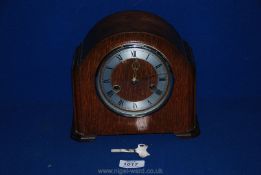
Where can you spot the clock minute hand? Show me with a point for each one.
(135, 67)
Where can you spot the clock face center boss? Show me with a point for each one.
(134, 80)
(133, 69)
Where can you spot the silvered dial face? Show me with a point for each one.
(134, 80)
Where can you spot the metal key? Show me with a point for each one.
(141, 150)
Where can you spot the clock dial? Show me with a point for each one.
(134, 80)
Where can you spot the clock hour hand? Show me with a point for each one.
(135, 67)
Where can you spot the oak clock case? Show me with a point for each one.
(133, 74)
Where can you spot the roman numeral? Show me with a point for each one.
(134, 106)
(158, 66)
(110, 93)
(149, 102)
(158, 92)
(133, 53)
(120, 103)
(108, 67)
(148, 57)
(119, 57)
(106, 81)
(162, 79)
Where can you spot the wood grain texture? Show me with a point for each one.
(92, 118)
(123, 74)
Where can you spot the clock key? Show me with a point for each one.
(141, 150)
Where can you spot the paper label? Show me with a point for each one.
(132, 163)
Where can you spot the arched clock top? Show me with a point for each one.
(139, 22)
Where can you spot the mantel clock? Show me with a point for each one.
(133, 74)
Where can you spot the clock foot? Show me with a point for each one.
(76, 135)
(190, 134)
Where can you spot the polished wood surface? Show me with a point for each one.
(92, 117)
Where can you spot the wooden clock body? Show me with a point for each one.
(92, 117)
